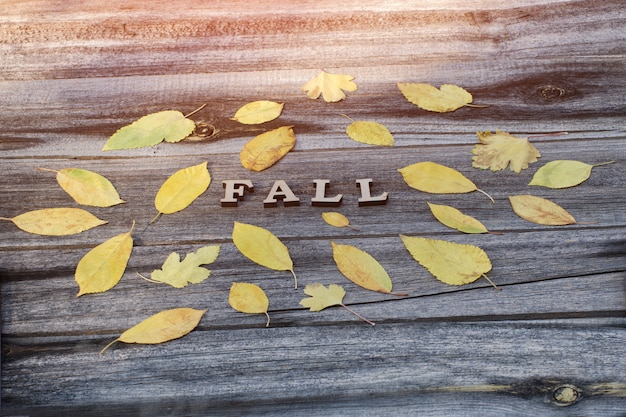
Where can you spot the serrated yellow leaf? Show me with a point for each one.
(371, 133)
(56, 221)
(103, 266)
(497, 150)
(178, 274)
(87, 187)
(540, 210)
(162, 327)
(449, 262)
(563, 174)
(249, 298)
(182, 188)
(435, 178)
(361, 268)
(152, 129)
(441, 100)
(455, 219)
(258, 112)
(330, 86)
(262, 247)
(267, 148)
(321, 297)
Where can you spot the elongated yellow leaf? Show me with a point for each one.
(182, 188)
(268, 148)
(455, 219)
(361, 268)
(372, 133)
(563, 174)
(149, 130)
(103, 266)
(179, 273)
(262, 247)
(336, 219)
(449, 262)
(258, 112)
(249, 298)
(496, 150)
(330, 86)
(162, 327)
(56, 221)
(541, 211)
(87, 187)
(441, 100)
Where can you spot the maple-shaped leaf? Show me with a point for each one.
(179, 273)
(330, 86)
(497, 150)
(321, 297)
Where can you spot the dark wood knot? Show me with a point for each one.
(550, 92)
(566, 394)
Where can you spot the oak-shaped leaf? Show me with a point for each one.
(249, 298)
(179, 273)
(182, 188)
(445, 99)
(103, 266)
(540, 210)
(56, 221)
(371, 133)
(449, 262)
(162, 327)
(257, 112)
(330, 86)
(266, 149)
(321, 297)
(87, 187)
(336, 219)
(263, 247)
(455, 219)
(563, 173)
(496, 150)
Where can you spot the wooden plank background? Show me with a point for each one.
(72, 73)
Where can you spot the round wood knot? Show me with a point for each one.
(566, 394)
(550, 92)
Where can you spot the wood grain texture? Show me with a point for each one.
(550, 343)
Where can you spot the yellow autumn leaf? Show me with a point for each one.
(441, 100)
(497, 150)
(56, 221)
(161, 327)
(371, 133)
(455, 219)
(336, 219)
(182, 188)
(321, 297)
(563, 173)
(249, 298)
(179, 273)
(449, 262)
(431, 177)
(262, 247)
(103, 266)
(361, 268)
(330, 86)
(258, 112)
(87, 187)
(267, 148)
(540, 210)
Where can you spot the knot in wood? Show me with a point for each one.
(550, 92)
(566, 394)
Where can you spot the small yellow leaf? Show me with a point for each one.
(541, 211)
(56, 221)
(449, 262)
(267, 148)
(321, 297)
(258, 112)
(87, 187)
(496, 150)
(371, 133)
(182, 188)
(179, 273)
(441, 100)
(330, 86)
(262, 247)
(249, 298)
(361, 268)
(103, 266)
(563, 174)
(162, 327)
(455, 219)
(336, 219)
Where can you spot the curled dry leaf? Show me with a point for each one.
(103, 266)
(441, 100)
(455, 219)
(258, 112)
(250, 299)
(330, 86)
(87, 187)
(371, 133)
(336, 219)
(267, 148)
(182, 188)
(540, 210)
(56, 221)
(497, 150)
(178, 274)
(161, 327)
(321, 297)
(563, 173)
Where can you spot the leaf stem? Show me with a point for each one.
(490, 198)
(357, 314)
(196, 110)
(6, 218)
(268, 319)
(491, 282)
(295, 278)
(604, 163)
(107, 346)
(155, 218)
(347, 117)
(352, 227)
(479, 106)
(149, 279)
(46, 169)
